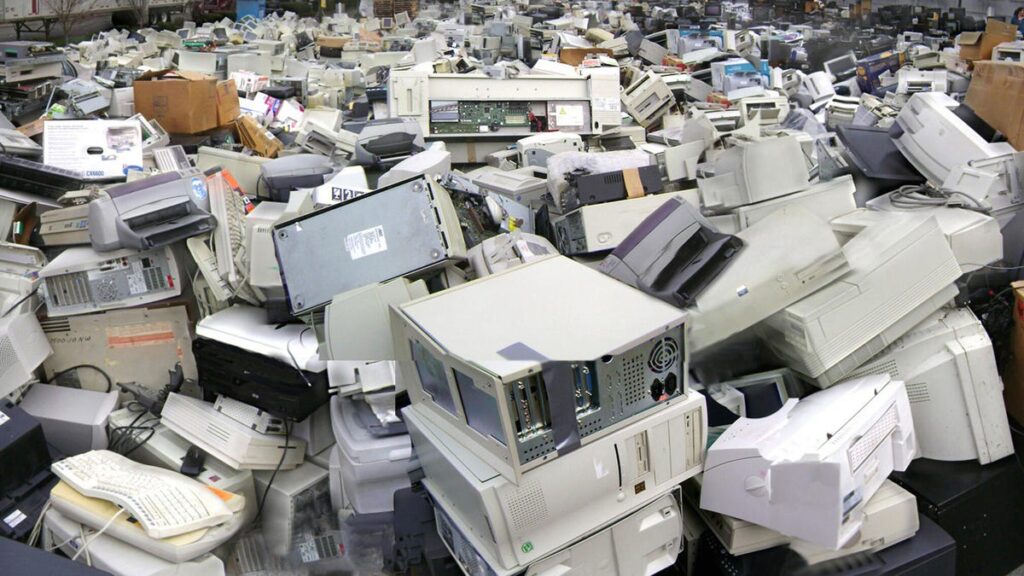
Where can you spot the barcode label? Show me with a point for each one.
(366, 242)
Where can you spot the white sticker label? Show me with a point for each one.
(136, 279)
(569, 115)
(4, 418)
(365, 243)
(612, 104)
(14, 518)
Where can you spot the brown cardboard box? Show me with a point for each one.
(227, 102)
(575, 56)
(1013, 379)
(182, 102)
(996, 95)
(257, 138)
(333, 41)
(978, 46)
(970, 45)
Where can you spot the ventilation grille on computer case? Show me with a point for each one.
(527, 506)
(664, 355)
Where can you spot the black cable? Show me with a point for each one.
(122, 437)
(20, 300)
(270, 483)
(110, 382)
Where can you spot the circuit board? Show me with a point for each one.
(473, 117)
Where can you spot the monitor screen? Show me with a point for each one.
(762, 400)
(842, 67)
(713, 9)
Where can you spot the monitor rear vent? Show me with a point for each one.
(889, 367)
(917, 392)
(8, 355)
(527, 506)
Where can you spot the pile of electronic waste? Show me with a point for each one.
(508, 289)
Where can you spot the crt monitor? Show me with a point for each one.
(713, 9)
(842, 68)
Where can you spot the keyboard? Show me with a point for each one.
(166, 503)
(29, 176)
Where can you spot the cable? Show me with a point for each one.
(110, 381)
(85, 546)
(19, 301)
(284, 452)
(125, 439)
(923, 196)
(295, 363)
(37, 529)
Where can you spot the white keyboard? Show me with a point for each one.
(164, 502)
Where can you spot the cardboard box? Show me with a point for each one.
(576, 56)
(1013, 379)
(132, 345)
(721, 69)
(182, 102)
(227, 102)
(979, 45)
(996, 95)
(337, 42)
(99, 149)
(257, 138)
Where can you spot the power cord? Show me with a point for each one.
(110, 381)
(270, 483)
(126, 439)
(85, 545)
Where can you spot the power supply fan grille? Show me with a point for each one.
(664, 355)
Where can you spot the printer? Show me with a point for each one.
(283, 175)
(808, 470)
(673, 254)
(933, 135)
(534, 150)
(151, 212)
(319, 139)
(274, 368)
(388, 142)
